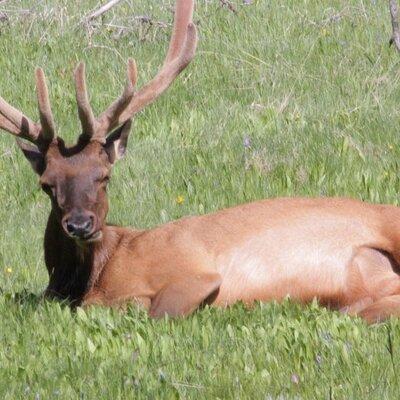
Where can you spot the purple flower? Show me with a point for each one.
(246, 142)
(295, 379)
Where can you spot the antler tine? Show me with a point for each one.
(181, 51)
(46, 116)
(182, 18)
(16, 123)
(109, 117)
(85, 111)
(150, 92)
(8, 126)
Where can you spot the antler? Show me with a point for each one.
(96, 128)
(15, 122)
(48, 131)
(181, 51)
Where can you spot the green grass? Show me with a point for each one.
(314, 88)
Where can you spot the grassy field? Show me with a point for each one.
(283, 99)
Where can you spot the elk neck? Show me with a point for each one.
(75, 267)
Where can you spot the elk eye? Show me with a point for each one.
(103, 181)
(47, 188)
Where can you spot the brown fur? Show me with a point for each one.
(175, 267)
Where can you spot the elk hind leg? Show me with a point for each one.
(381, 309)
(373, 285)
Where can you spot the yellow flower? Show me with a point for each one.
(391, 147)
(8, 270)
(180, 199)
(324, 32)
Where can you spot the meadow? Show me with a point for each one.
(293, 98)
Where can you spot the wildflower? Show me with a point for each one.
(295, 379)
(391, 147)
(326, 337)
(324, 32)
(180, 199)
(8, 270)
(161, 376)
(246, 142)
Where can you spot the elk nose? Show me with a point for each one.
(79, 226)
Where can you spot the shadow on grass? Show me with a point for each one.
(30, 299)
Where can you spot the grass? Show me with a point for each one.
(294, 98)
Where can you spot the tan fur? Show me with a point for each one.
(335, 250)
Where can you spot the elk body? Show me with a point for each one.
(343, 252)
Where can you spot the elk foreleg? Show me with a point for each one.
(97, 298)
(182, 297)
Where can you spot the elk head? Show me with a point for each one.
(75, 178)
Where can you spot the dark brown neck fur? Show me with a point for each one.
(73, 268)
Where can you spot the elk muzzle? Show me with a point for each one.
(80, 224)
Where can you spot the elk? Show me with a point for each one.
(345, 253)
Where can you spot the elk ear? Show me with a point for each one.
(117, 141)
(33, 155)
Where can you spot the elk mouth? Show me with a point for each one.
(91, 238)
(94, 237)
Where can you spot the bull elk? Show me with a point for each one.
(345, 253)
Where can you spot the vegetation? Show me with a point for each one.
(293, 98)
